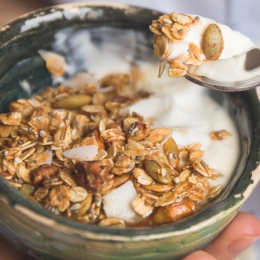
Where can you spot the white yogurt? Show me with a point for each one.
(235, 43)
(230, 65)
(118, 203)
(192, 115)
(178, 104)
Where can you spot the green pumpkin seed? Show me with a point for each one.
(27, 189)
(73, 101)
(212, 42)
(170, 147)
(157, 172)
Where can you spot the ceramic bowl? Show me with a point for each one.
(43, 235)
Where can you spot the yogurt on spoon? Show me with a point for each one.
(186, 43)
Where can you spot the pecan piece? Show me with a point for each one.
(174, 212)
(44, 170)
(91, 175)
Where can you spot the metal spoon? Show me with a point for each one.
(252, 61)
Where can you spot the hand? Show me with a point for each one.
(8, 253)
(240, 234)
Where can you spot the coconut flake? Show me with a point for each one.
(55, 63)
(49, 160)
(79, 80)
(48, 54)
(83, 153)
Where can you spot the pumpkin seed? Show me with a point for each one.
(170, 147)
(27, 189)
(212, 42)
(73, 101)
(157, 172)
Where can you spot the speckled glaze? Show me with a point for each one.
(43, 235)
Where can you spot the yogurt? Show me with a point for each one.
(192, 114)
(230, 65)
(177, 103)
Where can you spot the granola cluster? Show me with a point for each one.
(66, 148)
(173, 28)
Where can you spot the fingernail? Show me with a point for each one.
(241, 244)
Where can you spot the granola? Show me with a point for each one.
(66, 149)
(174, 32)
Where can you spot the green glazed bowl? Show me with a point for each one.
(43, 235)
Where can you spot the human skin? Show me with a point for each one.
(240, 234)
(12, 9)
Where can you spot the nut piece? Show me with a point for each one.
(91, 175)
(212, 42)
(44, 170)
(174, 212)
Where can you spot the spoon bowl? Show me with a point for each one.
(252, 61)
(222, 85)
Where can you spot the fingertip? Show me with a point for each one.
(240, 234)
(9, 253)
(247, 223)
(199, 255)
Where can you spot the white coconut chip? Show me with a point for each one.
(49, 160)
(80, 80)
(83, 153)
(47, 54)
